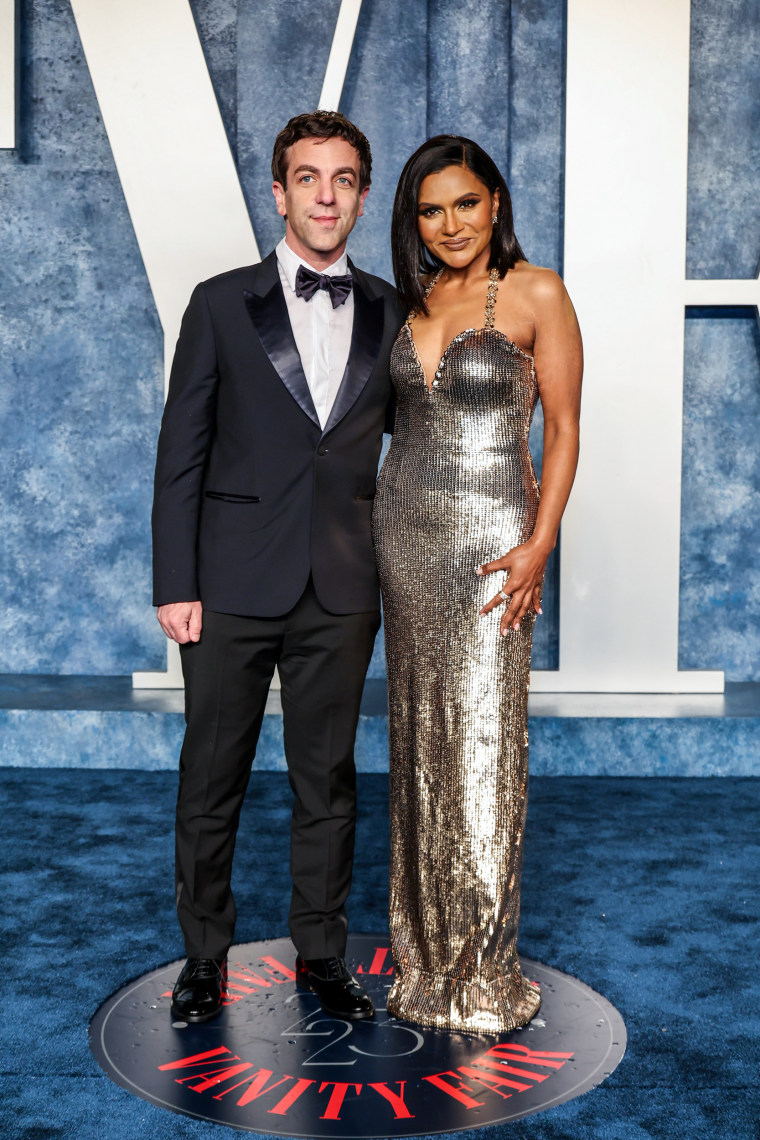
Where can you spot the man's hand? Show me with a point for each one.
(181, 621)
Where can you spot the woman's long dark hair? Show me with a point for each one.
(410, 256)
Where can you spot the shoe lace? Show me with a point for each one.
(334, 969)
(205, 968)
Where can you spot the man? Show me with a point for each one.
(263, 556)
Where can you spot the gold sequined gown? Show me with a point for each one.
(457, 489)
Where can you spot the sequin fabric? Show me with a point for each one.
(457, 489)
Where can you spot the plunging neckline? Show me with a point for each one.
(493, 285)
(450, 345)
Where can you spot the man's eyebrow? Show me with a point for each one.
(306, 168)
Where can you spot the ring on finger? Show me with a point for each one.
(503, 595)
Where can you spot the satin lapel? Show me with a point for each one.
(366, 338)
(269, 314)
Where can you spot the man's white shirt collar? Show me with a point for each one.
(290, 262)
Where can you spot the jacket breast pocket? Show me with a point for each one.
(226, 497)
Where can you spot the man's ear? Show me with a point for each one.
(279, 196)
(362, 198)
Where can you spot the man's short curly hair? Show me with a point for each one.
(320, 125)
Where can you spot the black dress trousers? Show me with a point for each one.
(322, 660)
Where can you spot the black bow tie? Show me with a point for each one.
(307, 283)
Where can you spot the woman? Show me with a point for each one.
(458, 501)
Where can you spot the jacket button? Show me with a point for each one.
(322, 450)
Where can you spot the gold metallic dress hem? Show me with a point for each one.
(480, 1006)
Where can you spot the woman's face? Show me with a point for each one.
(454, 215)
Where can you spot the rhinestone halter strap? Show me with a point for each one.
(428, 290)
(493, 285)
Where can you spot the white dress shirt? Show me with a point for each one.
(322, 333)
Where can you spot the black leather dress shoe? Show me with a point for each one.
(338, 990)
(197, 996)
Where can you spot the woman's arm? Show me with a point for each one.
(558, 357)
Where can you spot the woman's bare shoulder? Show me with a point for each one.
(537, 281)
(541, 290)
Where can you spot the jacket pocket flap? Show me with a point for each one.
(229, 498)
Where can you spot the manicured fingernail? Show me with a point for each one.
(482, 613)
(517, 625)
(479, 571)
(504, 632)
(539, 610)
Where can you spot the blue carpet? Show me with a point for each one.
(646, 889)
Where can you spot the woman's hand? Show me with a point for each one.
(525, 566)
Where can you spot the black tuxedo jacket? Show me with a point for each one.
(251, 495)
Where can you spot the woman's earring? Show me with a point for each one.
(494, 219)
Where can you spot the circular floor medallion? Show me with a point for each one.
(272, 1062)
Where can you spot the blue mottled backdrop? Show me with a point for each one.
(81, 343)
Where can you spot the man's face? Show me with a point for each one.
(321, 200)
